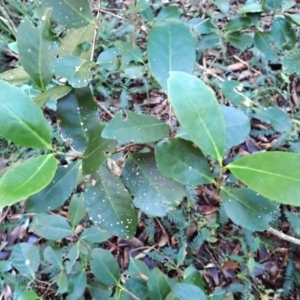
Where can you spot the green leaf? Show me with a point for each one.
(239, 40)
(153, 193)
(291, 62)
(26, 259)
(77, 285)
(76, 70)
(54, 256)
(97, 151)
(136, 128)
(137, 287)
(109, 204)
(251, 8)
(104, 266)
(181, 161)
(56, 92)
(56, 192)
(183, 291)
(128, 52)
(72, 43)
(29, 295)
(70, 13)
(25, 179)
(222, 5)
(294, 18)
(158, 285)
(169, 12)
(262, 41)
(208, 41)
(193, 276)
(51, 227)
(108, 59)
(279, 119)
(283, 34)
(176, 50)
(139, 6)
(273, 4)
(37, 47)
(198, 112)
(76, 210)
(275, 175)
(21, 121)
(77, 114)
(248, 209)
(138, 268)
(98, 290)
(238, 23)
(15, 76)
(202, 26)
(94, 235)
(61, 280)
(237, 126)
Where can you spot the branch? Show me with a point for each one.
(97, 22)
(283, 236)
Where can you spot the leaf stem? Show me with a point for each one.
(97, 22)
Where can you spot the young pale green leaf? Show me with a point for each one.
(29, 295)
(231, 90)
(248, 209)
(251, 8)
(169, 12)
(237, 126)
(283, 34)
(137, 128)
(97, 151)
(21, 121)
(99, 291)
(56, 192)
(198, 112)
(291, 62)
(279, 119)
(153, 193)
(77, 285)
(26, 259)
(70, 13)
(94, 235)
(158, 285)
(275, 175)
(181, 161)
(263, 42)
(170, 47)
(294, 18)
(56, 92)
(183, 291)
(25, 179)
(37, 47)
(239, 40)
(76, 70)
(105, 267)
(15, 76)
(77, 114)
(109, 204)
(238, 23)
(76, 210)
(51, 227)
(54, 256)
(72, 43)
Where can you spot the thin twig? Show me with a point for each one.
(97, 22)
(102, 107)
(284, 236)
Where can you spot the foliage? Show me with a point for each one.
(135, 163)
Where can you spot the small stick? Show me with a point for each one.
(283, 236)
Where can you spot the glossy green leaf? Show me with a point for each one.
(208, 41)
(15, 76)
(109, 204)
(223, 5)
(237, 126)
(170, 47)
(54, 256)
(108, 59)
(138, 268)
(98, 290)
(198, 112)
(94, 235)
(153, 193)
(21, 121)
(61, 280)
(29, 295)
(263, 42)
(26, 259)
(294, 18)
(77, 114)
(169, 12)
(248, 209)
(158, 285)
(70, 13)
(105, 267)
(193, 276)
(51, 227)
(291, 63)
(283, 34)
(76, 70)
(202, 26)
(77, 285)
(273, 4)
(56, 92)
(183, 291)
(238, 23)
(136, 128)
(25, 179)
(137, 287)
(181, 161)
(239, 40)
(231, 90)
(251, 8)
(37, 47)
(274, 175)
(97, 151)
(72, 43)
(76, 210)
(56, 192)
(276, 117)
